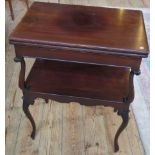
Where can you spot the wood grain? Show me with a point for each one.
(82, 27)
(73, 138)
(68, 129)
(111, 3)
(65, 128)
(13, 116)
(71, 79)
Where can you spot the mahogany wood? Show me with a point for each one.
(125, 120)
(83, 27)
(79, 80)
(79, 56)
(22, 72)
(83, 54)
(26, 103)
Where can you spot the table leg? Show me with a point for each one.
(26, 99)
(21, 82)
(125, 120)
(124, 112)
(26, 103)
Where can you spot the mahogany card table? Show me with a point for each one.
(83, 54)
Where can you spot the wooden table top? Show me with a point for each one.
(83, 27)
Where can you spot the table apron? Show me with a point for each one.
(78, 56)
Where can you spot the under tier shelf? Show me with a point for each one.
(79, 80)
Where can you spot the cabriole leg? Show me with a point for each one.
(26, 99)
(26, 104)
(125, 119)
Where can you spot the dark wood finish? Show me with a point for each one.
(26, 103)
(83, 54)
(125, 120)
(22, 72)
(91, 28)
(79, 80)
(79, 56)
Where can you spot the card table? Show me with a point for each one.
(83, 54)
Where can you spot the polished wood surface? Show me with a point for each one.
(79, 80)
(73, 119)
(66, 79)
(82, 27)
(78, 56)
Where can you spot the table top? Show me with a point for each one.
(83, 27)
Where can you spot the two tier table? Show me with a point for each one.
(83, 54)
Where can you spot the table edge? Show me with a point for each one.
(82, 47)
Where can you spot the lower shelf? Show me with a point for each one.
(79, 80)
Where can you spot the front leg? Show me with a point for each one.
(26, 99)
(125, 120)
(124, 113)
(21, 82)
(26, 103)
